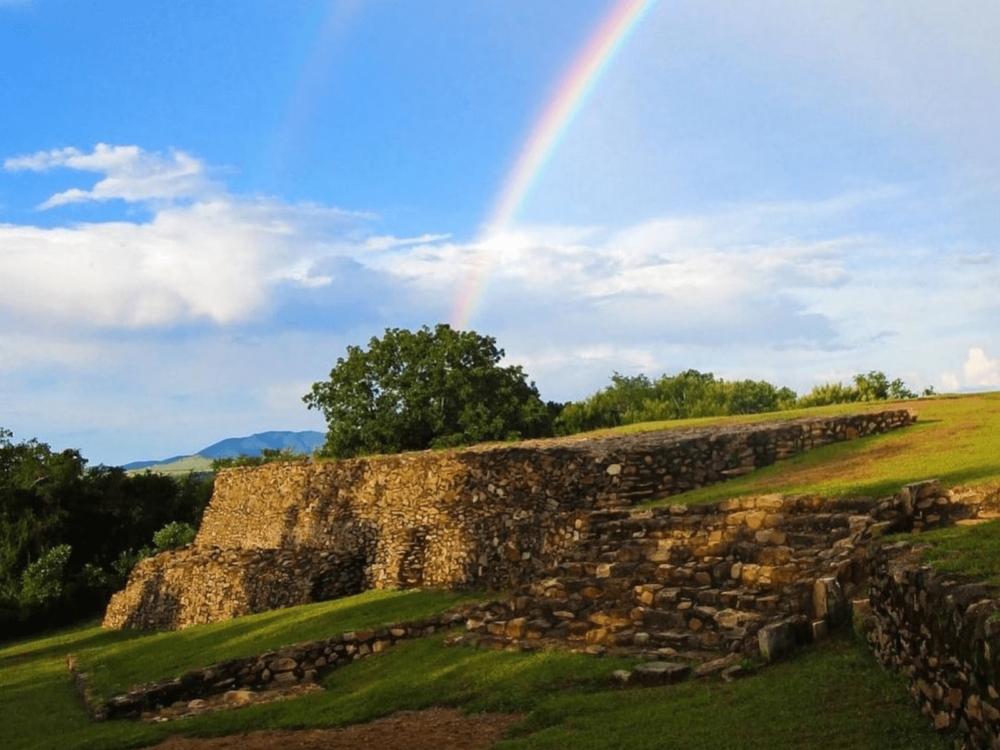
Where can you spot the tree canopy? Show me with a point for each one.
(69, 535)
(635, 398)
(415, 390)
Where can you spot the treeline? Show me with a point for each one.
(69, 535)
(637, 398)
(267, 456)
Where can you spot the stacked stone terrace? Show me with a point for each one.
(495, 516)
(701, 578)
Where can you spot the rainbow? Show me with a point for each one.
(574, 90)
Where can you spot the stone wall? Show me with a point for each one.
(712, 576)
(301, 663)
(941, 631)
(291, 533)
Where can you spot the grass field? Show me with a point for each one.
(180, 467)
(833, 696)
(956, 440)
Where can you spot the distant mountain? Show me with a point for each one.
(254, 445)
(299, 442)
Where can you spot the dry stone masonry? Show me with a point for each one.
(291, 533)
(692, 589)
(751, 575)
(941, 631)
(237, 680)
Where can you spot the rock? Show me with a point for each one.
(708, 668)
(283, 665)
(656, 673)
(239, 697)
(620, 677)
(779, 639)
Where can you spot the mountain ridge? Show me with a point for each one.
(305, 441)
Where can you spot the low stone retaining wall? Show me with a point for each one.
(943, 633)
(291, 533)
(298, 664)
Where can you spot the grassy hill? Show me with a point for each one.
(832, 696)
(178, 467)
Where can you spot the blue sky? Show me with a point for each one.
(202, 205)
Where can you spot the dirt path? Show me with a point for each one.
(433, 729)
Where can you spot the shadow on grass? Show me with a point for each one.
(154, 656)
(90, 635)
(890, 486)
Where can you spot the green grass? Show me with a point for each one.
(182, 466)
(155, 656)
(38, 704)
(972, 551)
(955, 439)
(833, 696)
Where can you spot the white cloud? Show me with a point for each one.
(213, 256)
(980, 370)
(762, 290)
(386, 242)
(131, 174)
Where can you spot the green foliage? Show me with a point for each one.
(175, 534)
(416, 390)
(42, 581)
(827, 394)
(690, 394)
(872, 386)
(67, 532)
(267, 456)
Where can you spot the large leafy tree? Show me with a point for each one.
(414, 390)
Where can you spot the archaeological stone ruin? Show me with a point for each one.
(558, 531)
(489, 516)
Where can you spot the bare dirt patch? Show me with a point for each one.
(432, 729)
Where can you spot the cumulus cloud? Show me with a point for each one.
(980, 370)
(211, 256)
(130, 173)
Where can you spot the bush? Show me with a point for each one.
(42, 581)
(174, 535)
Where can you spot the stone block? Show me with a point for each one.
(779, 639)
(655, 673)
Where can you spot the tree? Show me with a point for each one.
(620, 403)
(416, 390)
(67, 532)
(871, 386)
